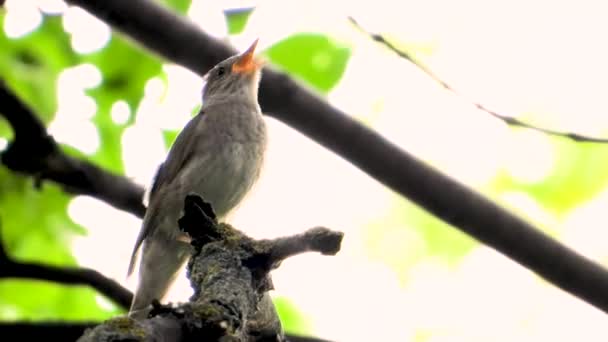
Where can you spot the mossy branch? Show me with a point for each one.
(230, 275)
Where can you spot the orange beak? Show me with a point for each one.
(246, 64)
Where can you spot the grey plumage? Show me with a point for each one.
(217, 155)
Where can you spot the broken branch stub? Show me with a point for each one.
(230, 275)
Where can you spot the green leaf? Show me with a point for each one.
(181, 6)
(169, 137)
(292, 319)
(314, 58)
(236, 19)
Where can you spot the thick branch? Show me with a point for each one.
(506, 119)
(322, 240)
(34, 152)
(230, 275)
(181, 42)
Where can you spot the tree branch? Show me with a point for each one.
(10, 268)
(511, 121)
(317, 239)
(34, 152)
(71, 331)
(45, 331)
(43, 158)
(180, 41)
(70, 276)
(230, 275)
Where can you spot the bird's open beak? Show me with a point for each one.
(247, 64)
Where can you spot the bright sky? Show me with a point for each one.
(518, 57)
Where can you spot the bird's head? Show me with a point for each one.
(235, 76)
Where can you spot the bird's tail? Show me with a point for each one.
(161, 262)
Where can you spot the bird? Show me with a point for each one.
(218, 155)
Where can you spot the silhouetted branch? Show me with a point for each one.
(10, 268)
(45, 331)
(68, 276)
(36, 153)
(506, 119)
(71, 331)
(230, 275)
(180, 41)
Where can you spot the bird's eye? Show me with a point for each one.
(221, 71)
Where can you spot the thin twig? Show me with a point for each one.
(319, 239)
(506, 119)
(69, 276)
(10, 268)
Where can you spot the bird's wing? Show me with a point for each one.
(181, 153)
(145, 229)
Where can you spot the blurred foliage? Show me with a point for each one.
(312, 57)
(36, 228)
(580, 173)
(407, 234)
(236, 19)
(35, 223)
(31, 64)
(169, 137)
(293, 320)
(180, 6)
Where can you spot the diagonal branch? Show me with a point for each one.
(69, 276)
(36, 153)
(511, 121)
(180, 41)
(10, 268)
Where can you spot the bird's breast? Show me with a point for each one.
(226, 170)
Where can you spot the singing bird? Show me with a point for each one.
(218, 155)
